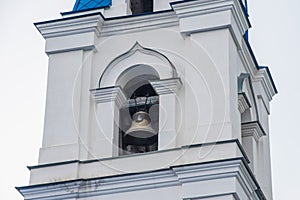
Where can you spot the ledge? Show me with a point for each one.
(152, 152)
(199, 153)
(109, 94)
(253, 129)
(205, 173)
(166, 86)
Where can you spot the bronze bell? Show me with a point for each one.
(141, 132)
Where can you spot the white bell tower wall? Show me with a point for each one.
(195, 55)
(203, 56)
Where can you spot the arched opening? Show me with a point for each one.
(139, 118)
(121, 91)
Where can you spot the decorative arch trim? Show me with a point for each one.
(164, 67)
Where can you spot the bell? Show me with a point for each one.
(141, 132)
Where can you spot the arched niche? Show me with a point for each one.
(137, 69)
(142, 100)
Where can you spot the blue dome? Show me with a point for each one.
(90, 4)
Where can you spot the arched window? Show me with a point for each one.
(139, 118)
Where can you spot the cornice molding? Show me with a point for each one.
(263, 78)
(243, 102)
(101, 26)
(71, 25)
(253, 129)
(166, 86)
(109, 94)
(174, 176)
(194, 173)
(258, 74)
(128, 24)
(186, 9)
(80, 31)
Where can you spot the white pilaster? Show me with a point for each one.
(251, 134)
(167, 89)
(109, 100)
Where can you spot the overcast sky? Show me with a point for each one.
(275, 39)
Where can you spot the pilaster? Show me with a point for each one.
(109, 100)
(252, 132)
(167, 89)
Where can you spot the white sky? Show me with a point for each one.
(275, 39)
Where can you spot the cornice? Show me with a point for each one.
(253, 129)
(166, 86)
(134, 23)
(174, 176)
(243, 102)
(84, 23)
(158, 160)
(236, 141)
(186, 9)
(258, 74)
(95, 22)
(221, 170)
(262, 76)
(109, 94)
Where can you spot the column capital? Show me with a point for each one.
(166, 86)
(253, 129)
(109, 94)
(243, 102)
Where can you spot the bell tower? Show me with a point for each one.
(153, 100)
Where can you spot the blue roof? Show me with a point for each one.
(90, 4)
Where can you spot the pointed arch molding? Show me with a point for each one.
(137, 55)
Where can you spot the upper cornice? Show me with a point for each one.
(233, 172)
(94, 21)
(215, 9)
(90, 22)
(258, 73)
(133, 23)
(264, 77)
